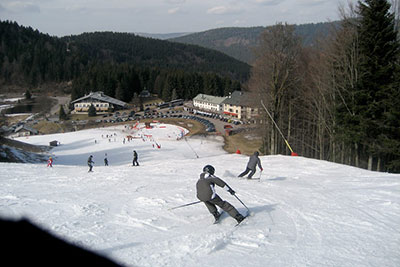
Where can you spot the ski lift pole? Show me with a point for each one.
(277, 127)
(185, 205)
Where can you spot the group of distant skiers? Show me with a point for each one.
(90, 161)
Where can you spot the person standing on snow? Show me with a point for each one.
(251, 166)
(205, 187)
(135, 159)
(50, 162)
(90, 163)
(105, 160)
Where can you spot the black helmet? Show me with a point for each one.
(209, 169)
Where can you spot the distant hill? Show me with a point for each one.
(239, 42)
(163, 36)
(29, 58)
(149, 52)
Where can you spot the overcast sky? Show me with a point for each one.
(65, 17)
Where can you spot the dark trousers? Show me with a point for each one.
(135, 162)
(224, 205)
(90, 167)
(252, 172)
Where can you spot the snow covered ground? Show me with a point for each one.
(305, 212)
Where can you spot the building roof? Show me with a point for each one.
(144, 93)
(27, 128)
(239, 98)
(101, 97)
(217, 100)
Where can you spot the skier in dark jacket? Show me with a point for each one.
(105, 160)
(251, 166)
(135, 158)
(90, 163)
(206, 193)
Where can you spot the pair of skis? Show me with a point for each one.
(245, 216)
(217, 220)
(258, 178)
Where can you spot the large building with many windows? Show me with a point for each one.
(209, 102)
(239, 105)
(100, 101)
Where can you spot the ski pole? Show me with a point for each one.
(259, 179)
(181, 206)
(242, 203)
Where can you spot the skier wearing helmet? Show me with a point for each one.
(251, 166)
(206, 193)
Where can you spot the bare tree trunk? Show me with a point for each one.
(356, 158)
(343, 151)
(370, 162)
(272, 141)
(378, 164)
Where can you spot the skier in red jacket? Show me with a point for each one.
(50, 162)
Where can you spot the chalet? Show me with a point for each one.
(100, 101)
(208, 102)
(144, 94)
(24, 130)
(240, 105)
(54, 143)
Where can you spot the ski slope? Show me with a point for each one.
(305, 212)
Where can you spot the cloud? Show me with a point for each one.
(223, 10)
(268, 2)
(173, 10)
(314, 2)
(175, 1)
(22, 7)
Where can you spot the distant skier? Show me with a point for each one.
(135, 159)
(206, 193)
(90, 163)
(251, 166)
(105, 160)
(50, 162)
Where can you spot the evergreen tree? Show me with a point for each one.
(377, 89)
(92, 111)
(62, 115)
(28, 95)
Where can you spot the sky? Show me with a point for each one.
(304, 212)
(70, 17)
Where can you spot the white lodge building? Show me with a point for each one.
(209, 102)
(100, 101)
(240, 105)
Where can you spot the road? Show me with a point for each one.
(61, 100)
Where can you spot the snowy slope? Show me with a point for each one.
(305, 212)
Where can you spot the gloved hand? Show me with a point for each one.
(261, 169)
(230, 190)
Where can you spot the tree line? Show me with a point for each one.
(338, 101)
(125, 82)
(30, 59)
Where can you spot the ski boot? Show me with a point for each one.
(216, 215)
(239, 218)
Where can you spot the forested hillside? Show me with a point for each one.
(239, 42)
(337, 101)
(119, 63)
